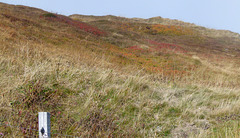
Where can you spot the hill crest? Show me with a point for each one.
(159, 20)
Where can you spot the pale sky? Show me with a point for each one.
(218, 14)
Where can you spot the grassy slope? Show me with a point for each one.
(134, 79)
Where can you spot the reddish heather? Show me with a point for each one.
(139, 49)
(160, 46)
(78, 24)
(136, 48)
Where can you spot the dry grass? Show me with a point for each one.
(92, 90)
(134, 104)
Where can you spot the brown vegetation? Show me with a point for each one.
(109, 77)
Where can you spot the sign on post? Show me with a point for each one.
(44, 125)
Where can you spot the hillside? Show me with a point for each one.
(108, 76)
(163, 21)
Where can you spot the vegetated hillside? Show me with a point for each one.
(159, 20)
(116, 77)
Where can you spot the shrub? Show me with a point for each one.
(51, 15)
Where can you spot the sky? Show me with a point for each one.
(217, 14)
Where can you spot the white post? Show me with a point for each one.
(44, 125)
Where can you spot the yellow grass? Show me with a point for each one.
(93, 91)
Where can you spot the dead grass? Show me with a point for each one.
(92, 90)
(131, 104)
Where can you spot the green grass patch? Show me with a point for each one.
(50, 15)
